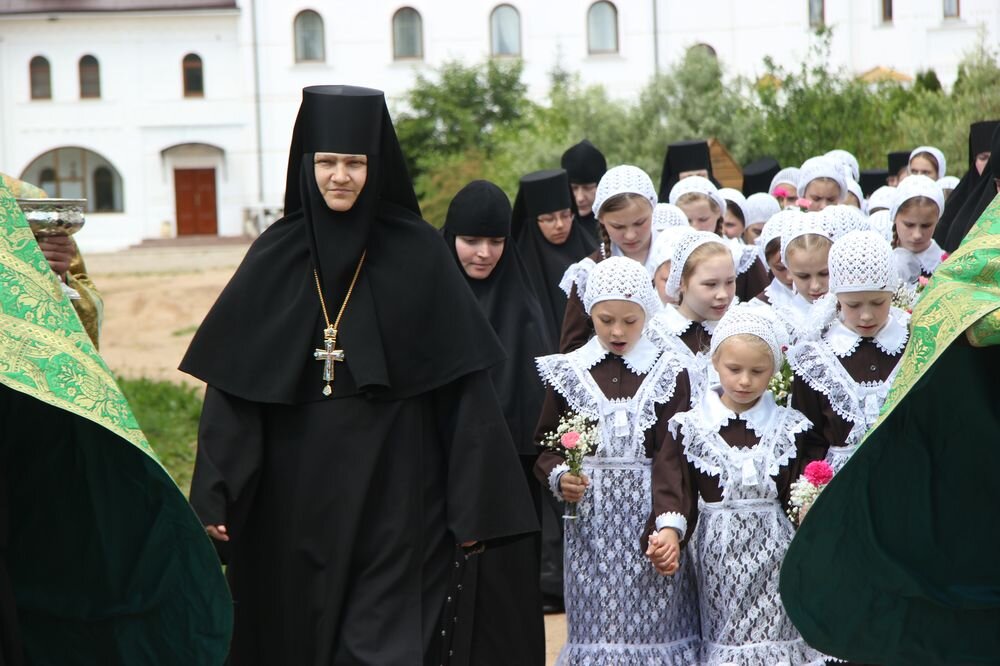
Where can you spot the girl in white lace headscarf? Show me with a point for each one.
(915, 213)
(618, 610)
(805, 248)
(740, 451)
(842, 379)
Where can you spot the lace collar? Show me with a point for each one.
(758, 418)
(928, 259)
(650, 266)
(677, 324)
(843, 342)
(777, 291)
(639, 360)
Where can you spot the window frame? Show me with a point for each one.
(821, 21)
(96, 72)
(520, 33)
(887, 11)
(322, 37)
(420, 35)
(958, 10)
(187, 64)
(37, 66)
(618, 41)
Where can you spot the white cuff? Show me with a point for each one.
(554, 476)
(674, 520)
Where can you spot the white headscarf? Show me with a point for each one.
(760, 207)
(917, 186)
(698, 185)
(787, 176)
(746, 319)
(667, 215)
(938, 155)
(621, 279)
(862, 261)
(809, 223)
(624, 179)
(683, 248)
(821, 167)
(882, 198)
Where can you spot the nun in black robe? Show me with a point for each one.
(585, 165)
(500, 613)
(343, 511)
(684, 156)
(543, 192)
(980, 141)
(757, 175)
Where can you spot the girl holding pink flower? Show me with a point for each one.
(619, 611)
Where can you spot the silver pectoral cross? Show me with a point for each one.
(329, 354)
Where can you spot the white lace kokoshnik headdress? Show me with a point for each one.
(736, 197)
(760, 207)
(938, 157)
(880, 222)
(848, 161)
(746, 319)
(808, 223)
(621, 279)
(683, 248)
(787, 176)
(821, 167)
(664, 243)
(775, 228)
(862, 261)
(912, 187)
(842, 219)
(623, 179)
(667, 215)
(697, 185)
(882, 197)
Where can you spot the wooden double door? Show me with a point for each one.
(194, 194)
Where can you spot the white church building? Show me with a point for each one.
(173, 118)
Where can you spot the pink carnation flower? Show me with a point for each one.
(803, 203)
(570, 440)
(818, 473)
(944, 257)
(922, 281)
(780, 192)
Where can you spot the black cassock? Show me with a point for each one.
(344, 511)
(344, 517)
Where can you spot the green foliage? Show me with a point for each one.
(470, 122)
(168, 414)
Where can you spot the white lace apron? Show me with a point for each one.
(739, 544)
(619, 610)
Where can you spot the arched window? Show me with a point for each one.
(90, 77)
(407, 34)
(309, 40)
(951, 9)
(41, 78)
(602, 28)
(194, 76)
(71, 172)
(817, 13)
(505, 31)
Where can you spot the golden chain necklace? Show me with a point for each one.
(330, 354)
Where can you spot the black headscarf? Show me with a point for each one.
(684, 156)
(975, 201)
(544, 192)
(508, 300)
(584, 163)
(758, 174)
(411, 324)
(897, 161)
(872, 179)
(963, 191)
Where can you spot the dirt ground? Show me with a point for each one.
(155, 296)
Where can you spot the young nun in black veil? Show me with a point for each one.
(548, 240)
(980, 138)
(500, 612)
(986, 188)
(585, 165)
(683, 159)
(351, 435)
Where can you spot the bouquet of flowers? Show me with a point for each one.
(780, 385)
(575, 438)
(808, 487)
(906, 295)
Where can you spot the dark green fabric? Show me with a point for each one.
(898, 562)
(107, 565)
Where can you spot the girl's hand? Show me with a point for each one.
(572, 486)
(664, 551)
(217, 532)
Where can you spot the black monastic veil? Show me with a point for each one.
(344, 513)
